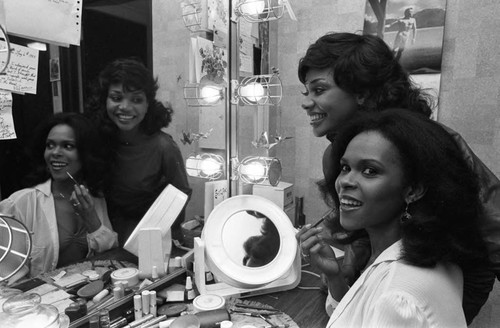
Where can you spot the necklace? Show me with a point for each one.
(61, 196)
(73, 204)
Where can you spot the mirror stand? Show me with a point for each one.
(288, 281)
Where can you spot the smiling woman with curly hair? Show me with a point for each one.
(145, 159)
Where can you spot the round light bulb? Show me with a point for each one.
(253, 171)
(253, 92)
(210, 94)
(210, 167)
(253, 7)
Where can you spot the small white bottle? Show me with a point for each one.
(189, 293)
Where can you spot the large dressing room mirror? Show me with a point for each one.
(228, 131)
(233, 128)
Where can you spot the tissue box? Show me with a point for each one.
(281, 195)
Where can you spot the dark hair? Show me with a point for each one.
(133, 75)
(264, 248)
(365, 66)
(94, 167)
(444, 221)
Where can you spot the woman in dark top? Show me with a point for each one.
(145, 158)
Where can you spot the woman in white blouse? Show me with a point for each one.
(64, 208)
(401, 179)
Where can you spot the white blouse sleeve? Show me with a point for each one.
(330, 304)
(103, 238)
(398, 310)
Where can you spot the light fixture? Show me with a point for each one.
(197, 94)
(206, 166)
(255, 11)
(257, 90)
(40, 46)
(258, 170)
(5, 50)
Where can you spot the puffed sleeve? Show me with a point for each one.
(103, 238)
(395, 310)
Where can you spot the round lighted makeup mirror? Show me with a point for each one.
(249, 242)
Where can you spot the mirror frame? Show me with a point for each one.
(238, 275)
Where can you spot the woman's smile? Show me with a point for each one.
(126, 108)
(61, 155)
(348, 203)
(327, 105)
(317, 118)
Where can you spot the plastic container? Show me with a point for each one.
(207, 302)
(25, 311)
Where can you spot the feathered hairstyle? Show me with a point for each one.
(444, 224)
(363, 65)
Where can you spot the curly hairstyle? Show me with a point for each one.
(444, 223)
(363, 65)
(134, 76)
(92, 158)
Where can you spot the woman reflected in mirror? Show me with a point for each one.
(145, 159)
(346, 75)
(262, 249)
(64, 207)
(417, 200)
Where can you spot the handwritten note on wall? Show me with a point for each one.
(6, 120)
(52, 21)
(22, 71)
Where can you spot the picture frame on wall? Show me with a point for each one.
(413, 29)
(55, 71)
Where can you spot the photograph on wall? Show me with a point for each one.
(207, 62)
(54, 70)
(413, 29)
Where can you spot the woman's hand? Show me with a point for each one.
(83, 204)
(319, 252)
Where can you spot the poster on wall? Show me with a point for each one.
(22, 72)
(7, 130)
(207, 62)
(57, 21)
(413, 29)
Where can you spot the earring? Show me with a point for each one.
(406, 215)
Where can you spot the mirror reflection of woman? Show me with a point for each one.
(145, 158)
(417, 199)
(262, 249)
(69, 220)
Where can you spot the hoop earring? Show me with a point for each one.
(406, 215)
